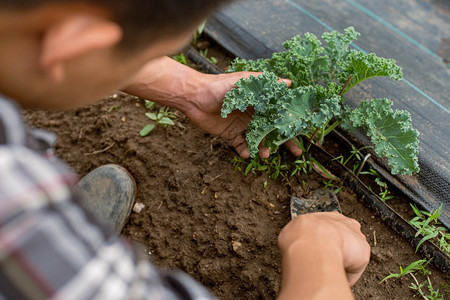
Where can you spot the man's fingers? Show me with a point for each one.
(240, 144)
(287, 81)
(293, 147)
(264, 152)
(352, 278)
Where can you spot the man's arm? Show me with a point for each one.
(169, 83)
(323, 255)
(198, 96)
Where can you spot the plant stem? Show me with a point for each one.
(312, 138)
(346, 85)
(330, 129)
(322, 133)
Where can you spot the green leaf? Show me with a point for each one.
(166, 121)
(304, 62)
(391, 132)
(147, 129)
(426, 238)
(360, 66)
(149, 104)
(261, 92)
(415, 209)
(414, 266)
(260, 65)
(299, 112)
(338, 46)
(417, 265)
(152, 116)
(201, 27)
(280, 113)
(390, 276)
(181, 59)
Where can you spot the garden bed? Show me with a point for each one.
(202, 216)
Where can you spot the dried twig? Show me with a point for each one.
(101, 151)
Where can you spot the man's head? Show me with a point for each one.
(65, 50)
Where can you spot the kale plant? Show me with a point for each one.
(315, 103)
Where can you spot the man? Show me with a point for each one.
(65, 54)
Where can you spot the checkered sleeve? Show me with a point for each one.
(51, 248)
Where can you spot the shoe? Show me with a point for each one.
(109, 192)
(321, 201)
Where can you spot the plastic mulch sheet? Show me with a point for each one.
(416, 33)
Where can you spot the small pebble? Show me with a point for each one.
(236, 246)
(138, 207)
(124, 119)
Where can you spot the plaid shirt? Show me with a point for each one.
(50, 247)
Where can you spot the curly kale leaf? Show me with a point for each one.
(391, 132)
(307, 62)
(260, 65)
(264, 93)
(310, 63)
(338, 46)
(267, 96)
(360, 66)
(281, 113)
(304, 62)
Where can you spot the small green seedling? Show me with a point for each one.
(420, 266)
(429, 227)
(214, 60)
(384, 193)
(355, 155)
(302, 165)
(163, 117)
(272, 166)
(433, 294)
(413, 267)
(204, 53)
(331, 185)
(198, 33)
(181, 59)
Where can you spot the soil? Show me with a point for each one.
(202, 216)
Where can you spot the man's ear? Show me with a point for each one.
(73, 37)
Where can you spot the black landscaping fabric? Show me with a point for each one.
(416, 33)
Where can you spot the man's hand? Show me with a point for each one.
(323, 254)
(205, 113)
(200, 97)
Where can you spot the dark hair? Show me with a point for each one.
(143, 21)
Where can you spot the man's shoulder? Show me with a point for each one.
(29, 176)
